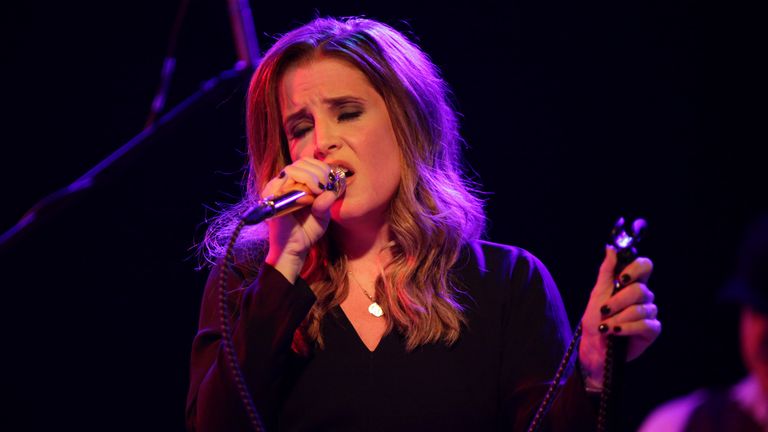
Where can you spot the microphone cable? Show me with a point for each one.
(623, 238)
(263, 210)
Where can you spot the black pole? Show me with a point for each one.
(211, 91)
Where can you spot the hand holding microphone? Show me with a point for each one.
(301, 198)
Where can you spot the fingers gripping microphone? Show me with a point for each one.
(286, 203)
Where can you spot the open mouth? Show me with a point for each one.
(338, 179)
(347, 172)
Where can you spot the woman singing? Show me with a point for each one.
(380, 308)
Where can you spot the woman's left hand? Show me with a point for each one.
(631, 313)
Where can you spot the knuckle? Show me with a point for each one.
(645, 265)
(631, 294)
(650, 265)
(269, 188)
(641, 310)
(652, 325)
(644, 262)
(648, 296)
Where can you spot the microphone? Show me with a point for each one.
(286, 203)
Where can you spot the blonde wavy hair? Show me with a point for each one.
(435, 212)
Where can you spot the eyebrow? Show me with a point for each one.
(335, 102)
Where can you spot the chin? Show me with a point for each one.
(344, 212)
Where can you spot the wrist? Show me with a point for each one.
(591, 365)
(591, 383)
(287, 264)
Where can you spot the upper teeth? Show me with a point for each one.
(346, 171)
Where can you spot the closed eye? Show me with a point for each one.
(349, 115)
(301, 122)
(300, 130)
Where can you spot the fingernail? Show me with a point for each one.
(282, 174)
(331, 177)
(603, 328)
(617, 329)
(625, 279)
(605, 310)
(322, 186)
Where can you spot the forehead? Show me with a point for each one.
(311, 82)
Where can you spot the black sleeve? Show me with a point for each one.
(267, 313)
(537, 335)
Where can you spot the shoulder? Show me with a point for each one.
(500, 261)
(516, 284)
(507, 275)
(673, 415)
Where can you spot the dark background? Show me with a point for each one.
(574, 114)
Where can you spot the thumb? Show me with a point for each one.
(322, 204)
(605, 276)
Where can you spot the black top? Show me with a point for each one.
(492, 378)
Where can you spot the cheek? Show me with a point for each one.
(395, 172)
(762, 345)
(299, 151)
(754, 334)
(387, 166)
(387, 160)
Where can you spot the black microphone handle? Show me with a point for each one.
(617, 355)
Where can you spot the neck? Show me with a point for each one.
(363, 245)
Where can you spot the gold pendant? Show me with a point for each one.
(375, 310)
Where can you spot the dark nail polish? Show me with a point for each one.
(603, 328)
(322, 186)
(625, 279)
(617, 329)
(282, 174)
(605, 310)
(331, 177)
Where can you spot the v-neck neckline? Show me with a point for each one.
(346, 322)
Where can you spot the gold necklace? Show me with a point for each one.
(374, 308)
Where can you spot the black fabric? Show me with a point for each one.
(719, 413)
(491, 379)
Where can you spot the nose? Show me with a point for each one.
(327, 139)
